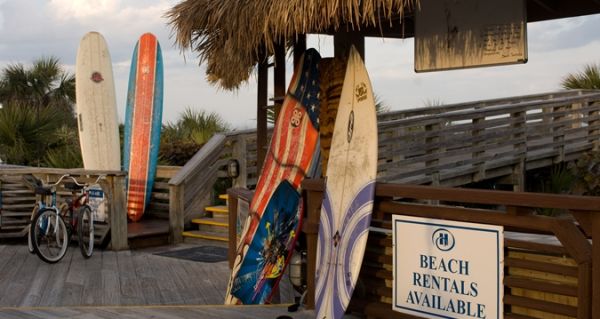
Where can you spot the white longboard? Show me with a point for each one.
(96, 105)
(349, 191)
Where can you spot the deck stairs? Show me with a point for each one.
(214, 225)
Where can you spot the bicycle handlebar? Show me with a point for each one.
(75, 180)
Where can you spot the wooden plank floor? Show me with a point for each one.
(168, 312)
(132, 284)
(108, 278)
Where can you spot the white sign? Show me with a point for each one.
(97, 203)
(452, 34)
(447, 269)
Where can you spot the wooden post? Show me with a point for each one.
(118, 213)
(279, 78)
(344, 40)
(593, 126)
(575, 114)
(176, 212)
(299, 48)
(434, 139)
(232, 203)
(313, 198)
(584, 290)
(595, 298)
(478, 153)
(559, 133)
(261, 115)
(520, 148)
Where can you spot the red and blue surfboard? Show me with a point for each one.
(143, 119)
(275, 218)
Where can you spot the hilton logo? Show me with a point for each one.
(443, 239)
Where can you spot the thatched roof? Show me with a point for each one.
(231, 36)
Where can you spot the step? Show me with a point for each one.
(209, 221)
(219, 209)
(211, 225)
(205, 235)
(224, 197)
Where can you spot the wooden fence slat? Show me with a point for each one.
(541, 305)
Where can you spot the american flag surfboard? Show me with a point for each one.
(290, 158)
(143, 120)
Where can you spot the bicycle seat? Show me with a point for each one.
(43, 190)
(72, 186)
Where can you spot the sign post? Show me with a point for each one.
(447, 269)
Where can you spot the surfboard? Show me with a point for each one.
(274, 222)
(96, 105)
(143, 117)
(349, 190)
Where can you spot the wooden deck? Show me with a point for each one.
(131, 283)
(144, 312)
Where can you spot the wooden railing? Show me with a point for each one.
(548, 260)
(18, 200)
(458, 144)
(462, 143)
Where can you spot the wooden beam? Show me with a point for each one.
(595, 298)
(261, 115)
(299, 48)
(279, 77)
(118, 213)
(344, 40)
(176, 213)
(547, 10)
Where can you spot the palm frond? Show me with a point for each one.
(588, 79)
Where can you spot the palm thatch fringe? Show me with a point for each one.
(231, 36)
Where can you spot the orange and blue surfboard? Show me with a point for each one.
(143, 119)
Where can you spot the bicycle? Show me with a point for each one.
(42, 203)
(50, 235)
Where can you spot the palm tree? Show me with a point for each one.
(65, 152)
(37, 106)
(182, 139)
(588, 79)
(26, 134)
(44, 84)
(380, 105)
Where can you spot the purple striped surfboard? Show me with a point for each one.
(348, 203)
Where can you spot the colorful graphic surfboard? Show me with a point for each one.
(271, 230)
(143, 119)
(96, 105)
(349, 190)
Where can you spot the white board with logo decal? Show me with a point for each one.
(96, 105)
(447, 269)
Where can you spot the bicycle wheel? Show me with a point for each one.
(49, 236)
(33, 214)
(85, 231)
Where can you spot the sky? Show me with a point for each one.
(30, 29)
